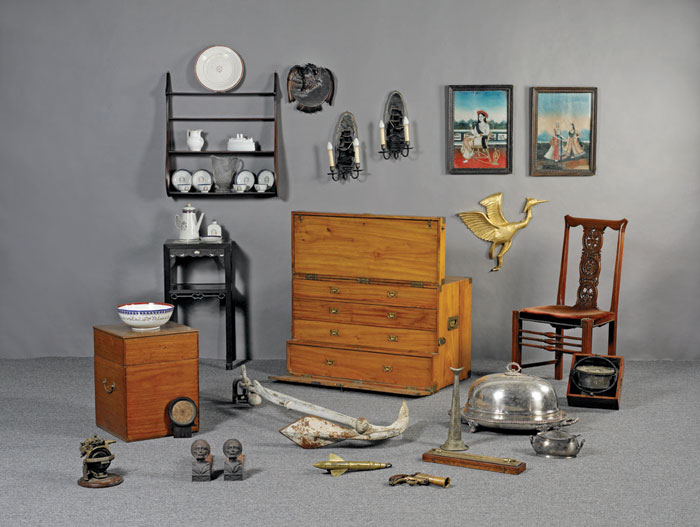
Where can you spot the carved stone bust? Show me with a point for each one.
(233, 466)
(201, 466)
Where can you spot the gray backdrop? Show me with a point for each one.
(84, 210)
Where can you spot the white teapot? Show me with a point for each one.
(188, 224)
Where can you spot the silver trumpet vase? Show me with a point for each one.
(454, 441)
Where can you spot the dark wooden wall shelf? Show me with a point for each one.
(172, 152)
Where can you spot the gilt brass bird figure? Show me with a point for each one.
(493, 227)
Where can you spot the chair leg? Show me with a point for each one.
(612, 338)
(559, 366)
(587, 336)
(517, 353)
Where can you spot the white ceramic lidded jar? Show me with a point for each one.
(195, 141)
(214, 229)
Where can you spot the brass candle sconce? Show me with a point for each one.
(344, 152)
(394, 129)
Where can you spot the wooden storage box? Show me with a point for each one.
(371, 306)
(138, 374)
(608, 399)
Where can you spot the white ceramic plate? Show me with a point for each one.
(181, 180)
(201, 181)
(245, 177)
(210, 239)
(219, 68)
(266, 177)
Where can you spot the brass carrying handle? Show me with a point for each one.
(392, 294)
(334, 332)
(391, 315)
(388, 368)
(393, 338)
(330, 362)
(333, 311)
(335, 290)
(111, 388)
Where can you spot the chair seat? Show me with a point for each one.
(570, 313)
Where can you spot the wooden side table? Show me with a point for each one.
(175, 253)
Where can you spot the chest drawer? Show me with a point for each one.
(385, 294)
(397, 339)
(359, 365)
(366, 314)
(401, 248)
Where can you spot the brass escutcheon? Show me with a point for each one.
(393, 338)
(333, 311)
(335, 290)
(111, 388)
(392, 294)
(334, 332)
(330, 362)
(391, 315)
(388, 368)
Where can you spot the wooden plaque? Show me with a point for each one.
(460, 459)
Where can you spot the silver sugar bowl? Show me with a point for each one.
(556, 443)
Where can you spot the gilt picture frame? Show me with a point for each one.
(563, 131)
(479, 129)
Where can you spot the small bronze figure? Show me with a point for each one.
(235, 460)
(203, 460)
(96, 460)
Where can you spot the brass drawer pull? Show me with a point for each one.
(391, 315)
(392, 294)
(330, 362)
(334, 332)
(393, 338)
(333, 310)
(388, 368)
(111, 388)
(335, 290)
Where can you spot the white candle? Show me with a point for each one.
(406, 134)
(331, 161)
(356, 146)
(382, 134)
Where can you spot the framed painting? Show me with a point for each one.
(563, 131)
(480, 129)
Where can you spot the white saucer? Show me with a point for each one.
(210, 239)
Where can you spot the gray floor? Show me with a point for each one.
(639, 465)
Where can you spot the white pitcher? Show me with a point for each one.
(188, 224)
(195, 142)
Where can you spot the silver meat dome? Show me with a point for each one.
(513, 400)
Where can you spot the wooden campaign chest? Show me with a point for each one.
(371, 306)
(138, 374)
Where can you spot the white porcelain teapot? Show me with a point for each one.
(188, 224)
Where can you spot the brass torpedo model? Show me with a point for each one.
(336, 465)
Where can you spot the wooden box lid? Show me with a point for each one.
(172, 342)
(376, 247)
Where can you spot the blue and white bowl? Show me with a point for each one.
(145, 316)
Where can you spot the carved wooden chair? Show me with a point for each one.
(585, 313)
(484, 153)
